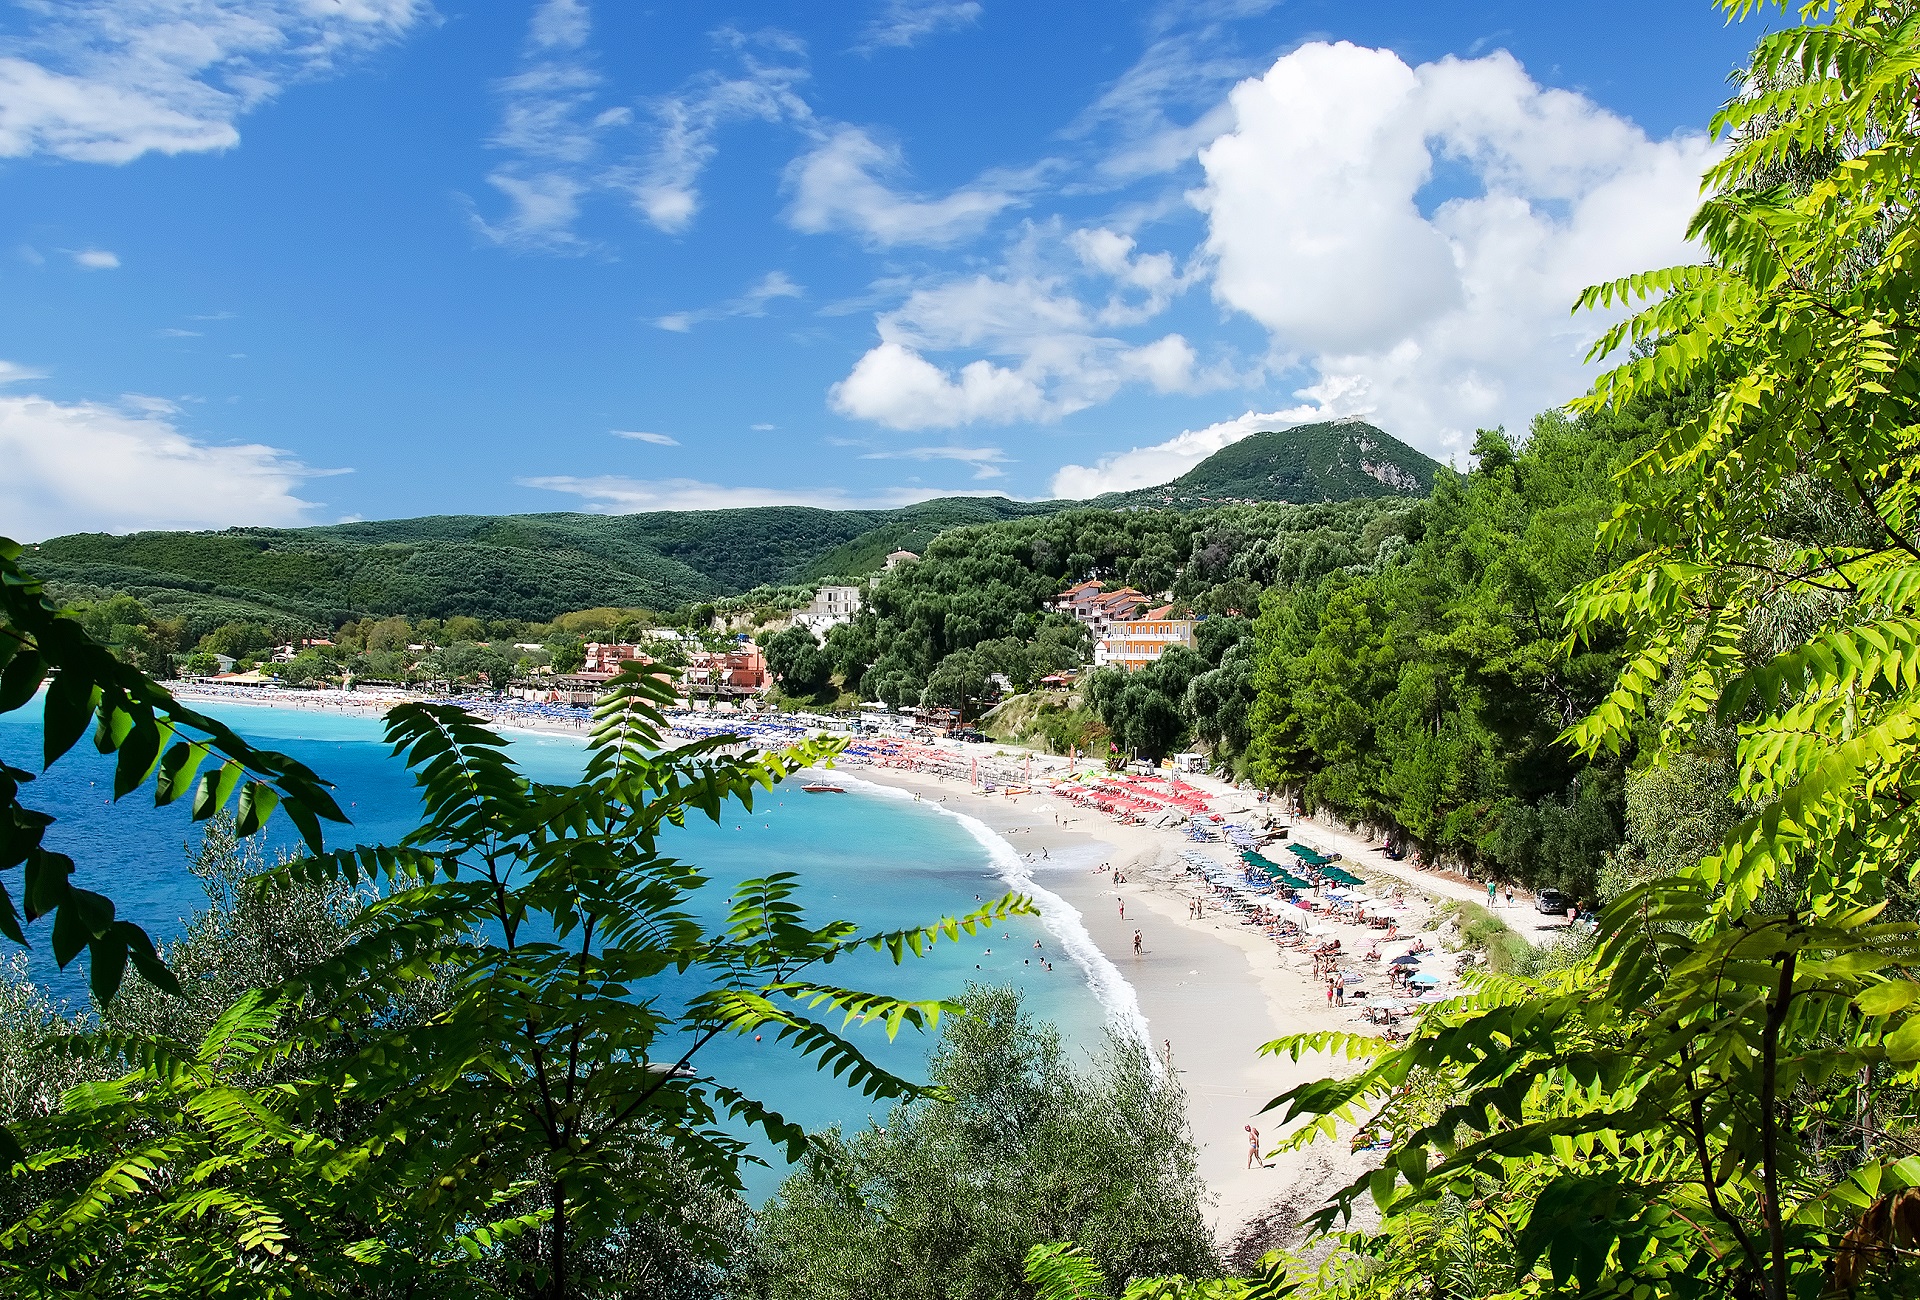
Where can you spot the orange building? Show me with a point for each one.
(1132, 644)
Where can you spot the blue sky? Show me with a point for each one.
(285, 261)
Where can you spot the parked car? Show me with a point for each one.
(1550, 902)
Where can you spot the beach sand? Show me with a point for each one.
(1211, 989)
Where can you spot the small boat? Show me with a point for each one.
(820, 787)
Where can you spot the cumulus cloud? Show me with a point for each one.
(84, 466)
(95, 259)
(566, 141)
(657, 439)
(1165, 461)
(772, 285)
(1433, 322)
(901, 23)
(105, 81)
(1055, 350)
(844, 183)
(612, 494)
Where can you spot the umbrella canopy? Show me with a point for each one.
(1422, 977)
(1405, 959)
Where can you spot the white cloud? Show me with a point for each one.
(665, 185)
(172, 333)
(902, 23)
(1159, 112)
(772, 285)
(14, 373)
(986, 461)
(765, 428)
(1433, 323)
(1055, 354)
(612, 494)
(841, 184)
(95, 259)
(657, 439)
(1166, 461)
(567, 143)
(106, 81)
(84, 466)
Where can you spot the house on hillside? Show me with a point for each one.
(897, 558)
(1098, 609)
(831, 606)
(1134, 643)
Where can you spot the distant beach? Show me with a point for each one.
(1206, 991)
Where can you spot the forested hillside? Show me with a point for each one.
(535, 567)
(527, 567)
(1333, 460)
(1395, 662)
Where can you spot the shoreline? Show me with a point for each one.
(1204, 992)
(1211, 988)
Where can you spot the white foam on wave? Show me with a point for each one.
(1061, 918)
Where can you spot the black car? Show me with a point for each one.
(1550, 902)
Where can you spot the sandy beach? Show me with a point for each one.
(1212, 991)
(1212, 988)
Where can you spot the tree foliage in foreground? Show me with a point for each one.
(1024, 1146)
(510, 1139)
(1704, 1107)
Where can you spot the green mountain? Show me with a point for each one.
(534, 567)
(510, 566)
(1335, 460)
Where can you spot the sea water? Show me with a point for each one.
(874, 856)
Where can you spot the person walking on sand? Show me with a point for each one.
(1253, 1147)
(1123, 907)
(1137, 946)
(1493, 894)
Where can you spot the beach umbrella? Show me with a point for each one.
(1422, 977)
(1405, 959)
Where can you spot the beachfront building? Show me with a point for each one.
(1132, 644)
(726, 675)
(831, 606)
(608, 656)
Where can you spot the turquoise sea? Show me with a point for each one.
(871, 855)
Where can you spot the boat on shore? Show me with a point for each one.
(821, 787)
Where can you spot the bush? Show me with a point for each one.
(1027, 1149)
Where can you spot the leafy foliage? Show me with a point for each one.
(1699, 1109)
(1021, 1147)
(545, 1103)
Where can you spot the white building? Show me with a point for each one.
(831, 607)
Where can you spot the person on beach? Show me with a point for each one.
(1123, 907)
(1137, 949)
(1253, 1147)
(1493, 894)
(1329, 990)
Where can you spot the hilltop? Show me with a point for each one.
(1334, 460)
(533, 567)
